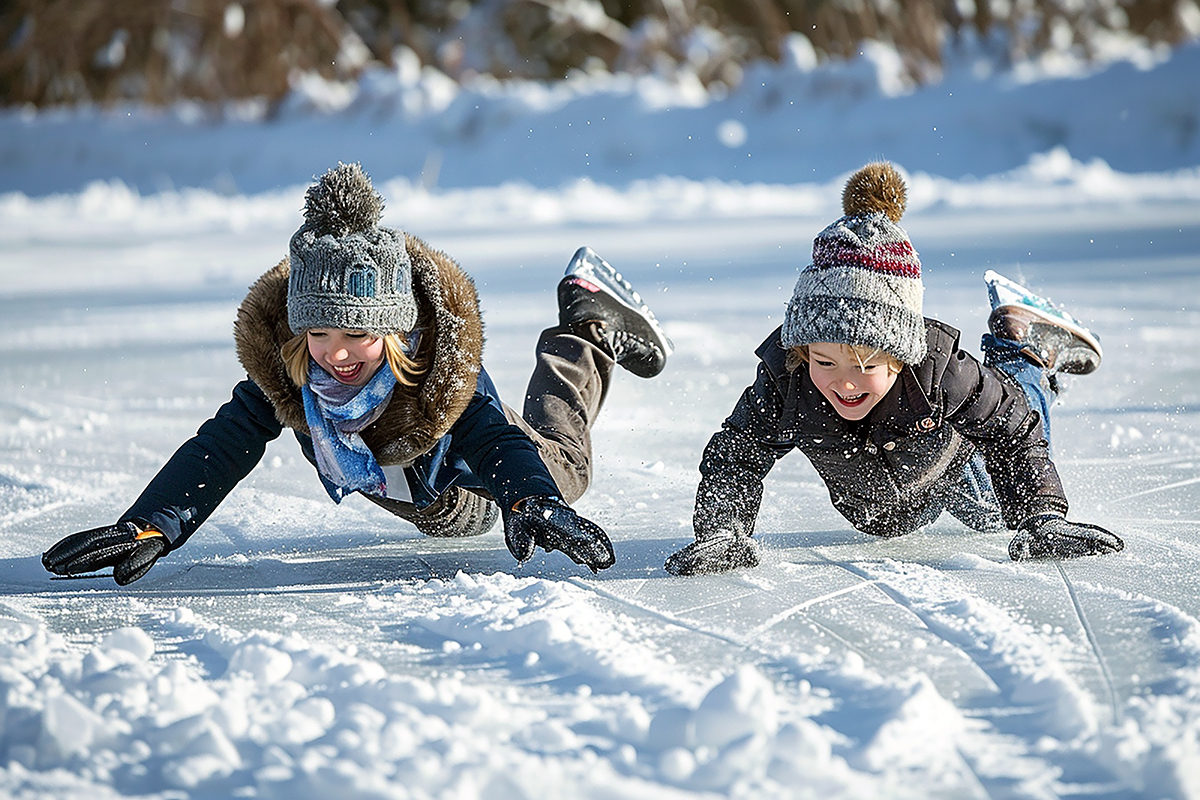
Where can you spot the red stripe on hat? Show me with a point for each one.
(893, 258)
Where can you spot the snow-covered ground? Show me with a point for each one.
(788, 123)
(304, 650)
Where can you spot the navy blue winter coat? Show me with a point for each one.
(449, 430)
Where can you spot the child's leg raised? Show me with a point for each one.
(564, 397)
(602, 322)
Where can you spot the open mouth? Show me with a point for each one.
(348, 374)
(853, 400)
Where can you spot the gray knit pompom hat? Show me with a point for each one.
(864, 284)
(346, 271)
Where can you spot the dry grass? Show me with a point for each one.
(71, 51)
(159, 51)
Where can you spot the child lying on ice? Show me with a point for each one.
(898, 421)
(368, 344)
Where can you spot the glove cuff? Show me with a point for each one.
(519, 506)
(1032, 522)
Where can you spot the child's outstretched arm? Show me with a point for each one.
(735, 462)
(183, 494)
(994, 414)
(508, 463)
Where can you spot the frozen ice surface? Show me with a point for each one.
(299, 649)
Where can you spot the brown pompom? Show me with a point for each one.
(877, 187)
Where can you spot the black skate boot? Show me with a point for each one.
(1046, 333)
(592, 291)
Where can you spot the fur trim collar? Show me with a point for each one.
(416, 417)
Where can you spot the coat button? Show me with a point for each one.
(871, 448)
(927, 423)
(889, 445)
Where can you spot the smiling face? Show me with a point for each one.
(352, 357)
(853, 386)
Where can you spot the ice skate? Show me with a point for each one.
(592, 291)
(1046, 333)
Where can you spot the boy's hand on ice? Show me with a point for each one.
(1051, 536)
(130, 552)
(551, 524)
(712, 554)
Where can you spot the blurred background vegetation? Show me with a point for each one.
(67, 52)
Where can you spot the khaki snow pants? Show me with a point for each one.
(568, 386)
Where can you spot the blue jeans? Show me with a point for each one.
(1039, 387)
(971, 499)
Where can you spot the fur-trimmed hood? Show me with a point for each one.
(415, 417)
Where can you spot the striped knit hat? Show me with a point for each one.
(864, 285)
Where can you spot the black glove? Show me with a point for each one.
(721, 552)
(1051, 536)
(130, 552)
(551, 524)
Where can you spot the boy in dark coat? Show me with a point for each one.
(368, 344)
(898, 421)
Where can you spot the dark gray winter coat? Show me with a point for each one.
(885, 472)
(450, 429)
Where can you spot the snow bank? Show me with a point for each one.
(1053, 179)
(289, 718)
(788, 123)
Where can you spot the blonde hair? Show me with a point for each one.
(796, 356)
(406, 369)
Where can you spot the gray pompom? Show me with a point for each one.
(343, 201)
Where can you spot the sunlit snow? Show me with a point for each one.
(298, 649)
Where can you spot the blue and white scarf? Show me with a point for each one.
(336, 413)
